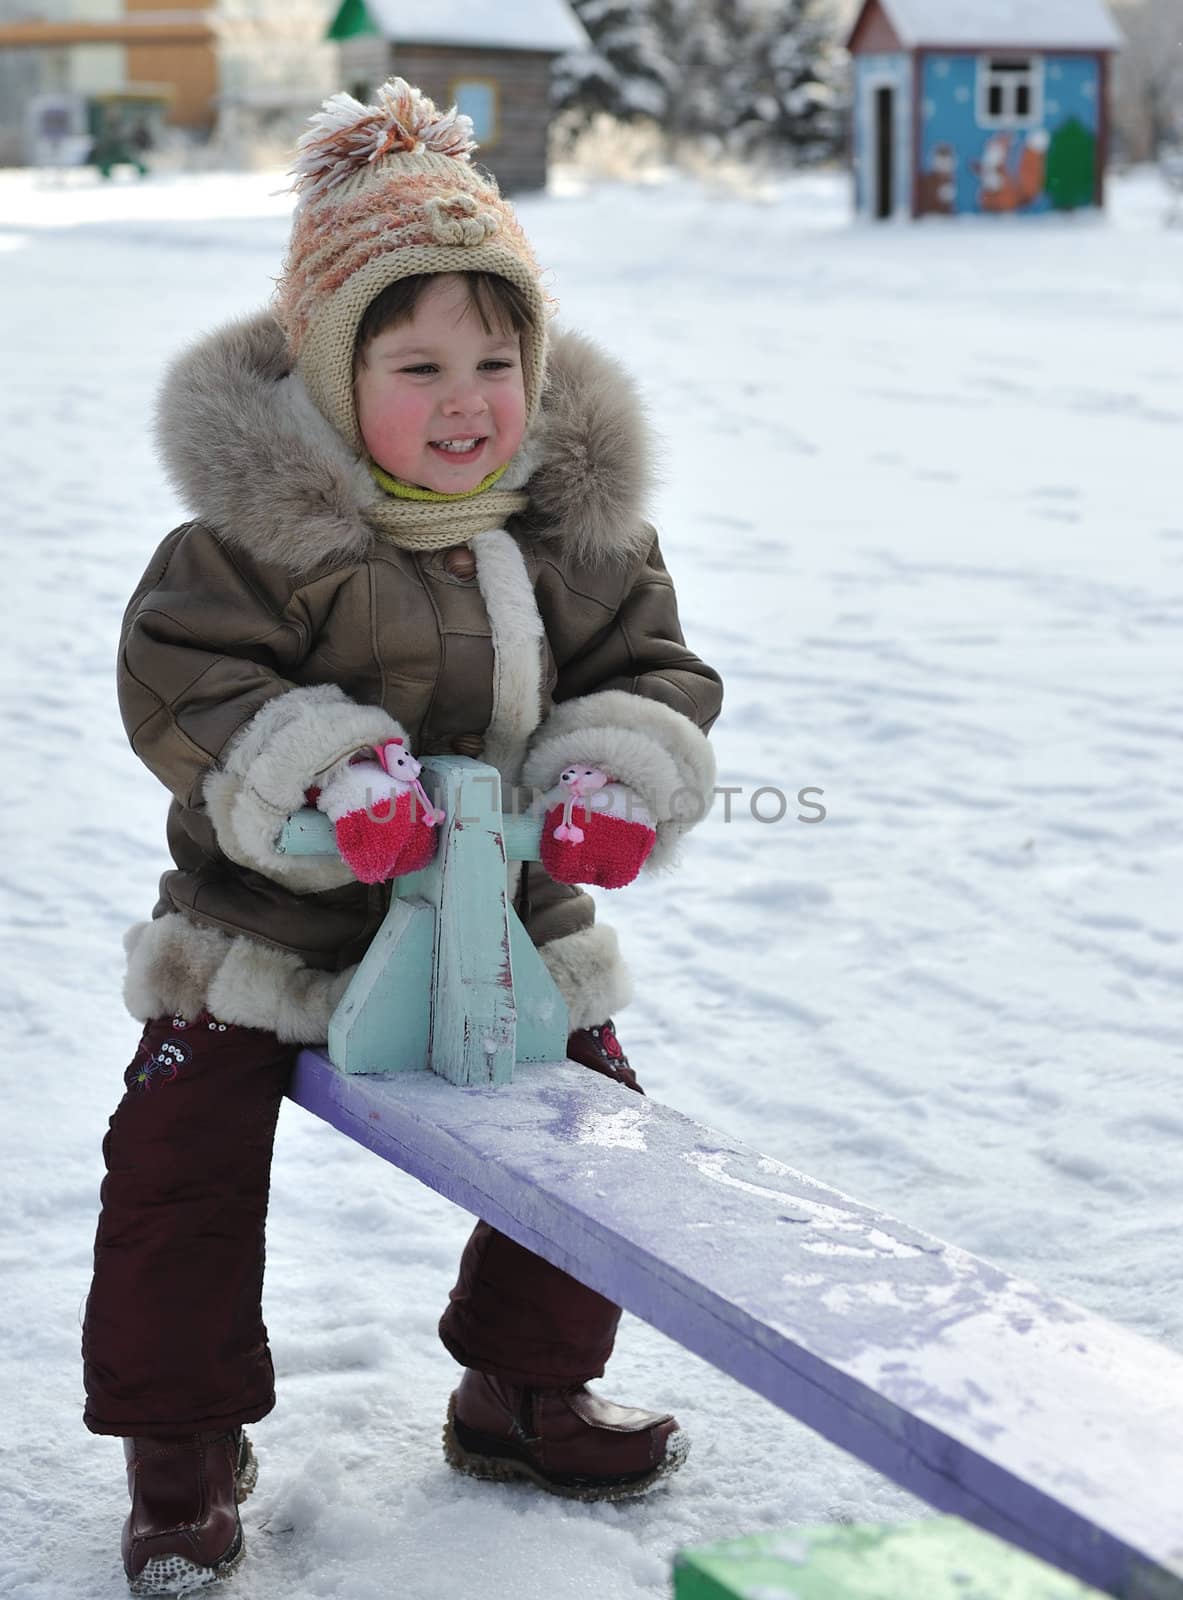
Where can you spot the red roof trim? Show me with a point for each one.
(873, 26)
(873, 20)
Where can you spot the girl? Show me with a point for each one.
(417, 528)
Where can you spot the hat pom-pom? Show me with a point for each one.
(345, 136)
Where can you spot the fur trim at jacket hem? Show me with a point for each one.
(590, 974)
(176, 965)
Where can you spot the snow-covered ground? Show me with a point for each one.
(920, 503)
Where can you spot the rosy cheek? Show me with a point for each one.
(511, 417)
(389, 421)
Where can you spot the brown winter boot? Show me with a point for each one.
(600, 1049)
(183, 1530)
(567, 1441)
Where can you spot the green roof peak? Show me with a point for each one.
(352, 19)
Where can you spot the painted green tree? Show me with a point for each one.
(1071, 166)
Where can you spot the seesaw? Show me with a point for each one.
(1019, 1412)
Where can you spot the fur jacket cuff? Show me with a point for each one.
(286, 747)
(642, 743)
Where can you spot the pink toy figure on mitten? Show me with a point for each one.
(384, 822)
(608, 843)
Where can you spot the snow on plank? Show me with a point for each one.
(1025, 1414)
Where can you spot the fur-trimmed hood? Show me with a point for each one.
(250, 454)
(280, 632)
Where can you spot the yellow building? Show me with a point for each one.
(95, 47)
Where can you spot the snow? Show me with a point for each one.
(500, 24)
(1005, 24)
(916, 501)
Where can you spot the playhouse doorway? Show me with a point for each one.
(883, 165)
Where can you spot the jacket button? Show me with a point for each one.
(469, 744)
(460, 562)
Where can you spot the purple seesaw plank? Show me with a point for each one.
(1025, 1414)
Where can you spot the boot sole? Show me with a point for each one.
(177, 1575)
(480, 1455)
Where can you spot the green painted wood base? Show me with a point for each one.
(941, 1559)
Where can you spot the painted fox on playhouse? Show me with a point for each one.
(1008, 184)
(418, 527)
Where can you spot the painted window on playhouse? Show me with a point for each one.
(1010, 92)
(477, 98)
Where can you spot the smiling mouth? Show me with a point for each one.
(458, 447)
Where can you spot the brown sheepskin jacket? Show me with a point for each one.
(278, 632)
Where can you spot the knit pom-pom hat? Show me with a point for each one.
(384, 192)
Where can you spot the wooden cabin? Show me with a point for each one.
(491, 59)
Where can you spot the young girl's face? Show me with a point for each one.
(440, 379)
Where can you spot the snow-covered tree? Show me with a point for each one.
(791, 96)
(707, 44)
(756, 74)
(1148, 78)
(626, 72)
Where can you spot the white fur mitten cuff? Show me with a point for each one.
(643, 744)
(286, 748)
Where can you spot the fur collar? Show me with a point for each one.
(249, 453)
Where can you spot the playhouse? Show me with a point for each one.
(980, 106)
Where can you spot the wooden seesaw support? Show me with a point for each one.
(451, 981)
(1020, 1412)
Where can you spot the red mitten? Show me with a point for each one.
(425, 817)
(599, 831)
(384, 823)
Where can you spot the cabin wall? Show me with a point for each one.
(519, 81)
(365, 63)
(517, 154)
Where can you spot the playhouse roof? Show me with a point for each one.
(1002, 24)
(501, 24)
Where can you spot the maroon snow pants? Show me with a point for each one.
(173, 1339)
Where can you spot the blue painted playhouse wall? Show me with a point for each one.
(948, 116)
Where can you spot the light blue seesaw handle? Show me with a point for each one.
(452, 980)
(310, 833)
